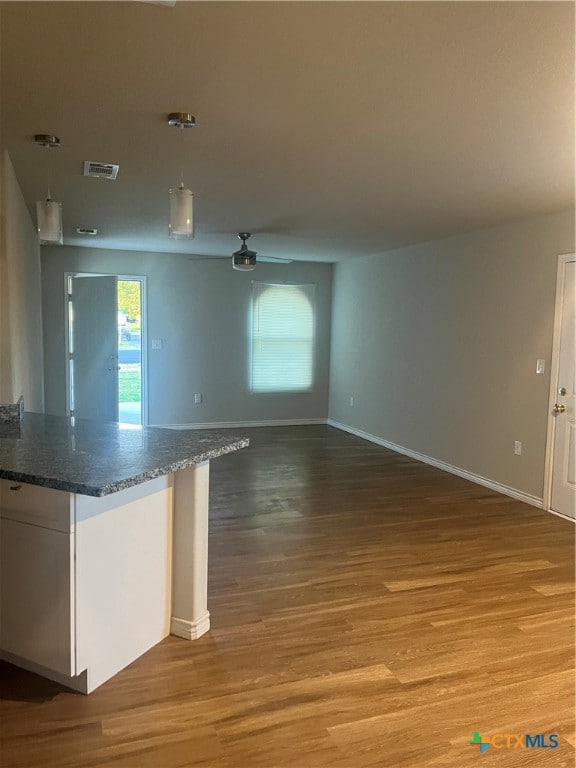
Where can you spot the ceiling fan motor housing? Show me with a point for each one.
(244, 260)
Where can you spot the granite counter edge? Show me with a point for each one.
(106, 489)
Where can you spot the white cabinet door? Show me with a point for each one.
(123, 576)
(36, 595)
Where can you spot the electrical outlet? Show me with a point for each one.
(517, 447)
(157, 343)
(197, 398)
(351, 400)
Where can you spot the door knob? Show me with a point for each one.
(559, 408)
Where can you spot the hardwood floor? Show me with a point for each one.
(367, 610)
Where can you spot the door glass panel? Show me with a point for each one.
(129, 351)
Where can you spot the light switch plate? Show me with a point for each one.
(157, 344)
(540, 366)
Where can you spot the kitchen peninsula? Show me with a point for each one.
(103, 542)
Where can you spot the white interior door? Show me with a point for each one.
(93, 365)
(563, 498)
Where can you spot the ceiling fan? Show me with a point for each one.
(245, 260)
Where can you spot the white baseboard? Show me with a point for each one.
(564, 517)
(486, 482)
(243, 424)
(190, 630)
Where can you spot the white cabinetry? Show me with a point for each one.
(37, 595)
(85, 583)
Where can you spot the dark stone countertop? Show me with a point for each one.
(97, 459)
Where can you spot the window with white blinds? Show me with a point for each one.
(283, 320)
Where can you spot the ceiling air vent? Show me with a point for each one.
(100, 170)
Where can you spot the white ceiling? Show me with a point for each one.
(328, 129)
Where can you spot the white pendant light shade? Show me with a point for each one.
(49, 214)
(181, 213)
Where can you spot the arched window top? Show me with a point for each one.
(284, 311)
(282, 337)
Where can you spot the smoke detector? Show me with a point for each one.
(101, 170)
(87, 231)
(181, 120)
(46, 140)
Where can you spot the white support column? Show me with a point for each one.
(190, 617)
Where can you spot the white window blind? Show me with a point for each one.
(283, 320)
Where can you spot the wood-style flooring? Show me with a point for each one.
(368, 611)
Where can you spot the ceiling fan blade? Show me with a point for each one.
(167, 3)
(192, 257)
(269, 259)
(275, 259)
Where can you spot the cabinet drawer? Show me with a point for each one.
(33, 504)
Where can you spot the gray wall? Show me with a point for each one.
(437, 343)
(21, 368)
(200, 310)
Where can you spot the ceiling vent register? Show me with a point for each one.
(101, 170)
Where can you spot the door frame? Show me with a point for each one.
(554, 369)
(143, 333)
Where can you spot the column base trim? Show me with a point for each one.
(190, 630)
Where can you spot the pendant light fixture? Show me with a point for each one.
(49, 212)
(181, 198)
